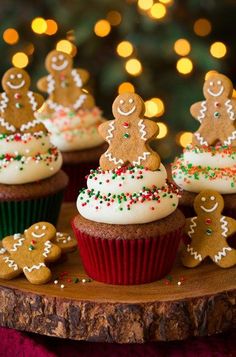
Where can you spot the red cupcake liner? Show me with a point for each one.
(128, 261)
(77, 173)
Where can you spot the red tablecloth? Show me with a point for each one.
(18, 344)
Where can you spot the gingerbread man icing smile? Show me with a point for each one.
(216, 114)
(128, 135)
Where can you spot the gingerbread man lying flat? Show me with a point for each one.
(128, 135)
(216, 114)
(18, 104)
(64, 84)
(209, 231)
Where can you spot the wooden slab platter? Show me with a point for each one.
(189, 302)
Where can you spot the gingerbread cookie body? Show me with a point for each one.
(32, 249)
(216, 114)
(208, 232)
(128, 135)
(64, 84)
(18, 104)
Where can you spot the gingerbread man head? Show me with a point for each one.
(217, 86)
(58, 62)
(128, 106)
(16, 79)
(41, 230)
(208, 202)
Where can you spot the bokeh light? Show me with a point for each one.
(39, 25)
(184, 138)
(133, 67)
(234, 93)
(20, 60)
(218, 49)
(10, 36)
(51, 27)
(207, 75)
(151, 108)
(145, 4)
(125, 49)
(158, 11)
(160, 106)
(102, 28)
(166, 2)
(202, 27)
(126, 87)
(184, 65)
(64, 46)
(114, 17)
(163, 130)
(182, 47)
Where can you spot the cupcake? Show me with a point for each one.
(31, 183)
(209, 163)
(128, 228)
(72, 118)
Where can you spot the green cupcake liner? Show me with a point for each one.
(16, 216)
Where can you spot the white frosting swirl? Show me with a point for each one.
(127, 196)
(206, 168)
(27, 158)
(74, 130)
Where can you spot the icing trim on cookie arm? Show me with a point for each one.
(202, 111)
(76, 77)
(3, 102)
(47, 248)
(110, 130)
(142, 130)
(230, 111)
(33, 102)
(11, 263)
(200, 139)
(50, 84)
(192, 224)
(224, 226)
(80, 101)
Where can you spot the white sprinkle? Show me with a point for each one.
(179, 283)
(62, 286)
(51, 168)
(55, 282)
(83, 280)
(64, 241)
(69, 238)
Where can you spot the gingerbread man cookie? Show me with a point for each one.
(31, 250)
(18, 104)
(216, 114)
(208, 232)
(64, 84)
(65, 242)
(128, 135)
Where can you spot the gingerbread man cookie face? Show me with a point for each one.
(57, 62)
(15, 79)
(31, 250)
(217, 86)
(64, 85)
(216, 114)
(128, 106)
(128, 135)
(208, 232)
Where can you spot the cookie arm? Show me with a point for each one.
(39, 99)
(150, 129)
(197, 110)
(187, 227)
(84, 75)
(231, 225)
(104, 127)
(42, 84)
(8, 243)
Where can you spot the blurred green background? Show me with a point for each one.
(169, 47)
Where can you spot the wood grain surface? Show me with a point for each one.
(189, 302)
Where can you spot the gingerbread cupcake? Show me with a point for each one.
(128, 228)
(210, 161)
(31, 183)
(70, 115)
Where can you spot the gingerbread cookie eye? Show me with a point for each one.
(131, 100)
(219, 83)
(122, 101)
(61, 57)
(12, 76)
(19, 75)
(54, 59)
(203, 199)
(212, 198)
(211, 83)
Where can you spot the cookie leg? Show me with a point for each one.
(225, 258)
(37, 274)
(8, 267)
(89, 102)
(199, 137)
(147, 159)
(229, 137)
(109, 161)
(190, 257)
